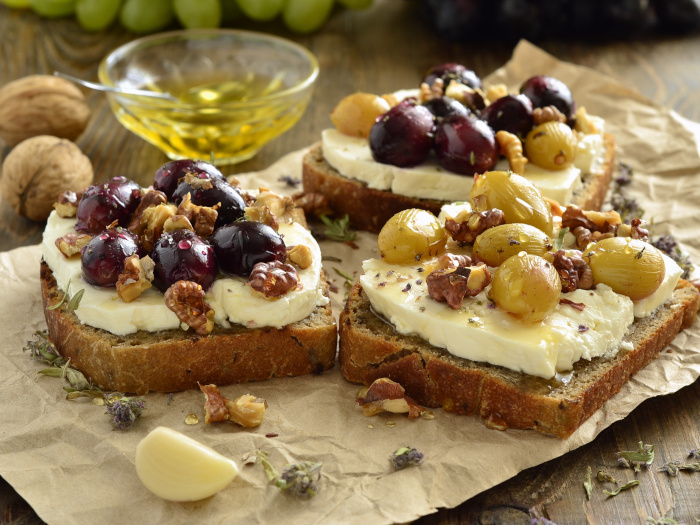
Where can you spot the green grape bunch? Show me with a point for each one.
(149, 16)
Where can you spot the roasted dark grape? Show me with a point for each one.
(442, 106)
(403, 136)
(243, 244)
(232, 204)
(548, 91)
(168, 176)
(106, 202)
(466, 145)
(512, 113)
(102, 259)
(182, 255)
(452, 71)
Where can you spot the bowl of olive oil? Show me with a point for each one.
(230, 91)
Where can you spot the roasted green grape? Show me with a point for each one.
(551, 146)
(526, 286)
(261, 10)
(411, 236)
(198, 14)
(497, 244)
(53, 8)
(515, 196)
(146, 16)
(306, 16)
(96, 15)
(16, 4)
(355, 114)
(629, 266)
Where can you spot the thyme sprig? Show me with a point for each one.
(673, 467)
(74, 302)
(300, 479)
(626, 486)
(559, 241)
(338, 229)
(636, 459)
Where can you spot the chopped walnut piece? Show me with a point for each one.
(590, 226)
(136, 277)
(574, 271)
(248, 411)
(547, 114)
(280, 206)
(150, 226)
(233, 181)
(198, 181)
(186, 299)
(273, 279)
(313, 203)
(177, 222)
(150, 198)
(472, 98)
(72, 242)
(300, 255)
(67, 204)
(637, 232)
(496, 91)
(554, 206)
(451, 260)
(201, 218)
(262, 214)
(584, 123)
(215, 409)
(512, 149)
(429, 92)
(453, 285)
(468, 225)
(386, 395)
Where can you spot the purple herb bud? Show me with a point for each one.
(125, 410)
(405, 457)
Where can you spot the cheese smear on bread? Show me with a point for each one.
(231, 299)
(352, 158)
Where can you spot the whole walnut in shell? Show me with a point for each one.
(41, 105)
(37, 170)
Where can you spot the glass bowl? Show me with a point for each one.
(234, 90)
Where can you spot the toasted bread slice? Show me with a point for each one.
(370, 349)
(174, 360)
(369, 209)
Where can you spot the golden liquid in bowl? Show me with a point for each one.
(206, 126)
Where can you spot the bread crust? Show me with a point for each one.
(370, 349)
(175, 360)
(369, 209)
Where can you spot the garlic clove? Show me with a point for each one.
(178, 468)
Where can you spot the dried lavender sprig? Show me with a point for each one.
(669, 245)
(43, 350)
(642, 457)
(300, 479)
(124, 410)
(672, 468)
(405, 457)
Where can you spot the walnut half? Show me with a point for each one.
(273, 279)
(136, 277)
(186, 299)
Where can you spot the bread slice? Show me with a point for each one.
(370, 349)
(174, 360)
(369, 209)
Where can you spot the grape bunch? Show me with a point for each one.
(149, 16)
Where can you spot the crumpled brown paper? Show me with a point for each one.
(66, 461)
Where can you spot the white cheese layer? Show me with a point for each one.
(480, 332)
(102, 308)
(235, 302)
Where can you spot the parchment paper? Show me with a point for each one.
(65, 460)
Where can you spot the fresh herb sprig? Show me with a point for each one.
(338, 229)
(636, 459)
(405, 457)
(300, 479)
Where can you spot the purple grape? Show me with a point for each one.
(548, 91)
(102, 259)
(232, 204)
(106, 202)
(168, 176)
(452, 71)
(243, 244)
(512, 113)
(182, 255)
(442, 106)
(403, 136)
(466, 145)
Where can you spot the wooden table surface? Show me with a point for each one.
(380, 50)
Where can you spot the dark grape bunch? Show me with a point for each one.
(463, 138)
(149, 16)
(564, 19)
(233, 249)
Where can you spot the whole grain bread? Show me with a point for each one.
(369, 209)
(174, 360)
(370, 348)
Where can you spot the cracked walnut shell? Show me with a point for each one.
(38, 170)
(41, 105)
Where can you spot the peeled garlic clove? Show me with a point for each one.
(178, 468)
